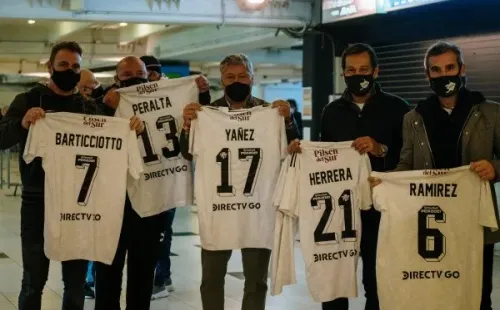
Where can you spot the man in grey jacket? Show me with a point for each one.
(451, 128)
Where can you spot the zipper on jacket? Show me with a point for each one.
(429, 144)
(461, 132)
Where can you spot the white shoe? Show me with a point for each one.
(160, 292)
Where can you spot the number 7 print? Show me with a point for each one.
(92, 165)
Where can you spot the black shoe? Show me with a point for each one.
(89, 292)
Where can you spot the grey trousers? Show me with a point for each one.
(255, 269)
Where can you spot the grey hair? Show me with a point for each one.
(440, 48)
(236, 59)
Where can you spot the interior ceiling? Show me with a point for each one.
(25, 47)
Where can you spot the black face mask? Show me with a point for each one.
(65, 80)
(237, 91)
(97, 92)
(446, 86)
(359, 85)
(133, 81)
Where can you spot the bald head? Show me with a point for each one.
(87, 83)
(131, 67)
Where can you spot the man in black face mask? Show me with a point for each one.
(59, 94)
(140, 238)
(373, 119)
(88, 85)
(237, 79)
(451, 128)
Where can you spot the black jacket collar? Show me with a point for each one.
(465, 98)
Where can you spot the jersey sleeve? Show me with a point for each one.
(135, 168)
(280, 185)
(194, 143)
(35, 143)
(290, 197)
(365, 170)
(487, 215)
(379, 196)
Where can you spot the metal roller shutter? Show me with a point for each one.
(402, 66)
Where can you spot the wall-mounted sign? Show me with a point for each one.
(337, 10)
(307, 103)
(391, 5)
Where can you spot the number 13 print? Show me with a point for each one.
(162, 124)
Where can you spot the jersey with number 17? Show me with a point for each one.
(167, 179)
(86, 159)
(238, 155)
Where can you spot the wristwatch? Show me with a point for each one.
(384, 150)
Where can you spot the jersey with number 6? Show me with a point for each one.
(430, 244)
(325, 187)
(238, 155)
(86, 160)
(167, 179)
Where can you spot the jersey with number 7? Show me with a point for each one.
(238, 155)
(430, 245)
(86, 160)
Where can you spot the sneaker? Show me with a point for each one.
(89, 293)
(169, 285)
(160, 292)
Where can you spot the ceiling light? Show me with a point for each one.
(123, 24)
(31, 21)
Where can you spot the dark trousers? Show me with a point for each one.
(214, 269)
(163, 273)
(36, 264)
(489, 251)
(140, 238)
(370, 221)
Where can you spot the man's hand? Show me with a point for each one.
(31, 116)
(189, 112)
(136, 124)
(484, 170)
(112, 99)
(374, 181)
(283, 108)
(367, 145)
(202, 83)
(294, 147)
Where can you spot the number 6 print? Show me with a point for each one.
(431, 242)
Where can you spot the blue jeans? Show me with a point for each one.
(36, 264)
(163, 272)
(90, 274)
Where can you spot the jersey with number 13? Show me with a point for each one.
(167, 179)
(238, 155)
(86, 159)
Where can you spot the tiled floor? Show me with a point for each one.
(186, 270)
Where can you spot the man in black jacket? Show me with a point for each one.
(58, 95)
(373, 120)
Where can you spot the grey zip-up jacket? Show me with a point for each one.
(480, 140)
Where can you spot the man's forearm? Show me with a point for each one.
(11, 133)
(291, 130)
(184, 144)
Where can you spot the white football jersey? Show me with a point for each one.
(167, 179)
(86, 159)
(238, 155)
(325, 187)
(430, 244)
